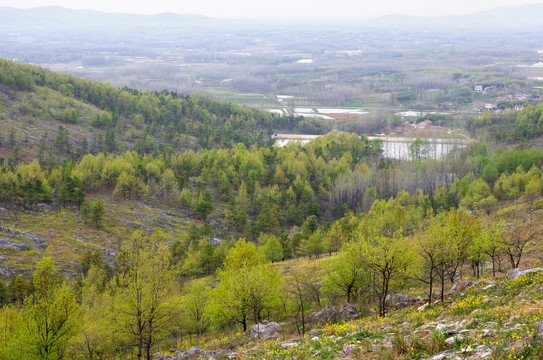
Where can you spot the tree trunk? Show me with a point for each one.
(430, 292)
(442, 288)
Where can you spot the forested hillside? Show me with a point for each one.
(133, 222)
(148, 121)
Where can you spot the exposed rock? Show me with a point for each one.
(132, 225)
(45, 207)
(348, 312)
(5, 272)
(325, 316)
(315, 332)
(449, 355)
(36, 241)
(215, 241)
(452, 340)
(480, 352)
(460, 286)
(400, 300)
(484, 282)
(538, 331)
(9, 244)
(196, 352)
(215, 223)
(446, 329)
(289, 344)
(515, 273)
(422, 307)
(267, 331)
(488, 332)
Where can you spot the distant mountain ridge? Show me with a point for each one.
(54, 17)
(512, 16)
(57, 18)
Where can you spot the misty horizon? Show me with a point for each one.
(294, 11)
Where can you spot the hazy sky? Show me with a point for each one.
(279, 8)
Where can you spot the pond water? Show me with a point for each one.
(400, 150)
(397, 149)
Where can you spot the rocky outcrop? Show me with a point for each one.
(133, 225)
(11, 244)
(192, 353)
(325, 316)
(460, 286)
(348, 312)
(480, 352)
(21, 240)
(515, 273)
(266, 331)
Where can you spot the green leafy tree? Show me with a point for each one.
(12, 345)
(97, 214)
(419, 149)
(18, 289)
(51, 313)
(346, 275)
(142, 310)
(272, 250)
(204, 208)
(247, 289)
(185, 197)
(314, 245)
(195, 318)
(246, 293)
(494, 246)
(4, 295)
(110, 144)
(335, 237)
(97, 339)
(388, 260)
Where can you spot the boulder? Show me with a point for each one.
(460, 286)
(348, 312)
(325, 316)
(266, 331)
(515, 273)
(452, 340)
(197, 353)
(215, 242)
(289, 344)
(400, 300)
(446, 329)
